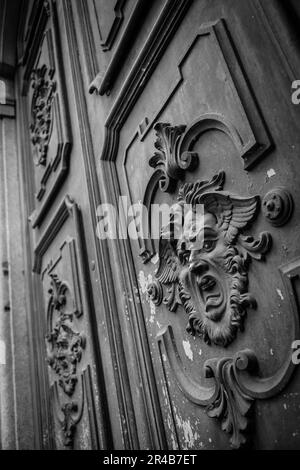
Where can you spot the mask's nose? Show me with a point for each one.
(197, 264)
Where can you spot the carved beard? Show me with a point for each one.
(222, 333)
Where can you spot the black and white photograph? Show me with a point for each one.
(149, 228)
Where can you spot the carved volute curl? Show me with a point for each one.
(169, 157)
(226, 400)
(42, 112)
(206, 270)
(230, 404)
(155, 292)
(277, 206)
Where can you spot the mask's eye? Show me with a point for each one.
(209, 245)
(186, 256)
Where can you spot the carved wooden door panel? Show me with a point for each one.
(198, 121)
(161, 342)
(67, 373)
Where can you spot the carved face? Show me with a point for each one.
(206, 271)
(213, 280)
(206, 266)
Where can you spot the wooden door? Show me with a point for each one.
(203, 115)
(155, 343)
(67, 371)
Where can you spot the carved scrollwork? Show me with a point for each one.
(226, 400)
(169, 157)
(65, 345)
(206, 268)
(237, 380)
(231, 405)
(65, 348)
(68, 414)
(42, 112)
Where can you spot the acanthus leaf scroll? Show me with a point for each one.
(168, 156)
(231, 405)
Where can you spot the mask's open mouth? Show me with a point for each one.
(212, 296)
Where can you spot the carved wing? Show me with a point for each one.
(168, 268)
(233, 213)
(167, 274)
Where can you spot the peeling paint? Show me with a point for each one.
(2, 353)
(271, 172)
(144, 281)
(152, 312)
(188, 435)
(174, 445)
(155, 259)
(188, 350)
(280, 294)
(169, 420)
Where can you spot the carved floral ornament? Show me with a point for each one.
(42, 112)
(65, 347)
(207, 274)
(211, 282)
